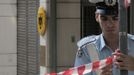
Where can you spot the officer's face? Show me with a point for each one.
(108, 23)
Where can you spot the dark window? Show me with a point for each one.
(89, 26)
(128, 20)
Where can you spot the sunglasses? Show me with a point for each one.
(105, 18)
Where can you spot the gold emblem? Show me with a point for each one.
(41, 20)
(110, 2)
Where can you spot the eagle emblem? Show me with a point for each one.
(110, 2)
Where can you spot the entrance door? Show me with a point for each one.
(68, 33)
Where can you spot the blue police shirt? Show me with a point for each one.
(82, 56)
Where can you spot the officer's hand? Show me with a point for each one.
(107, 70)
(124, 62)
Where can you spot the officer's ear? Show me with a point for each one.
(97, 17)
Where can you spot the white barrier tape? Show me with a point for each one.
(86, 68)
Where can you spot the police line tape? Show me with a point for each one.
(86, 68)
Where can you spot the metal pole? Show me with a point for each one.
(123, 30)
(51, 36)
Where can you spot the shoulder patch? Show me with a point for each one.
(86, 40)
(80, 53)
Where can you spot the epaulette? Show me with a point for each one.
(86, 40)
(130, 36)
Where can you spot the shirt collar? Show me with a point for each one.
(102, 42)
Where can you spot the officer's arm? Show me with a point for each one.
(81, 59)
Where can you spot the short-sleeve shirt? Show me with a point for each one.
(83, 57)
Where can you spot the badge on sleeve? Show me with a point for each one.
(79, 53)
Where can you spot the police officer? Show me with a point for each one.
(107, 42)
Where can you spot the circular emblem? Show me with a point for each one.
(41, 20)
(110, 2)
(80, 53)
